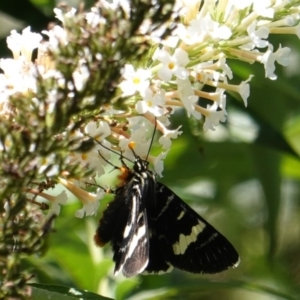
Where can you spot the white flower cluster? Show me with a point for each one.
(193, 56)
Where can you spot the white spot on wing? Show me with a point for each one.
(185, 240)
(126, 231)
(182, 243)
(189, 239)
(181, 215)
(237, 263)
(135, 239)
(176, 248)
(132, 221)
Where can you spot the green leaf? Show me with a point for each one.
(202, 285)
(268, 134)
(292, 131)
(56, 292)
(69, 248)
(155, 294)
(267, 164)
(125, 287)
(291, 167)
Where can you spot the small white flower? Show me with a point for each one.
(134, 81)
(14, 42)
(188, 97)
(97, 157)
(57, 35)
(256, 37)
(11, 67)
(214, 116)
(222, 32)
(23, 44)
(172, 65)
(202, 29)
(98, 131)
(165, 118)
(269, 58)
(47, 165)
(81, 76)
(93, 18)
(56, 201)
(90, 207)
(20, 75)
(262, 8)
(89, 200)
(62, 16)
(194, 33)
(152, 103)
(165, 139)
(241, 4)
(4, 98)
(243, 88)
(282, 56)
(115, 4)
(137, 142)
(135, 123)
(221, 63)
(211, 71)
(158, 163)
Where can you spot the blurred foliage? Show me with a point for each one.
(243, 178)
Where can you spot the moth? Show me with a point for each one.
(152, 230)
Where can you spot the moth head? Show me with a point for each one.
(140, 164)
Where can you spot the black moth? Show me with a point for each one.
(152, 230)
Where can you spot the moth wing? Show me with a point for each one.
(131, 252)
(184, 239)
(108, 229)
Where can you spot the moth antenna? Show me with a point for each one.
(107, 191)
(107, 161)
(113, 151)
(152, 138)
(125, 170)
